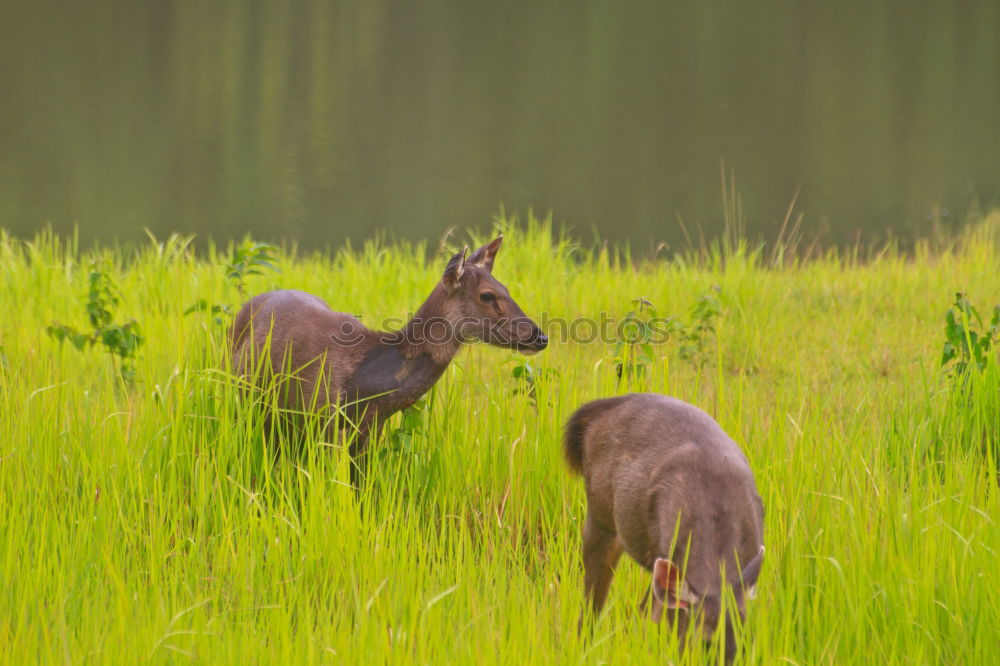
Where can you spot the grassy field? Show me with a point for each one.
(149, 524)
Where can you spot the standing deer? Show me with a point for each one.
(667, 485)
(329, 360)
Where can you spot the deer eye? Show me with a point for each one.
(488, 297)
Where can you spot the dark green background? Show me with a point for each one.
(318, 121)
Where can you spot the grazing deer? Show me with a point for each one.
(329, 360)
(668, 486)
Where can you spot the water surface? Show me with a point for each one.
(319, 121)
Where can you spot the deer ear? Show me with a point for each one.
(752, 570)
(485, 255)
(668, 588)
(452, 277)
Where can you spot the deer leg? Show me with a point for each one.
(359, 449)
(601, 550)
(359, 457)
(644, 604)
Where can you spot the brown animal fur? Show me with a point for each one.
(666, 485)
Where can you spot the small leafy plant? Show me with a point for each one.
(968, 341)
(248, 260)
(527, 377)
(218, 312)
(412, 424)
(704, 313)
(642, 328)
(251, 259)
(121, 339)
(634, 354)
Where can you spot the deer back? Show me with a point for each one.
(294, 334)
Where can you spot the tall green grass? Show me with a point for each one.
(153, 524)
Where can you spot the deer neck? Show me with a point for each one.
(403, 365)
(431, 332)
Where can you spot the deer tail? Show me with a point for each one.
(576, 430)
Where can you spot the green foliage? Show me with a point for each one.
(250, 259)
(633, 353)
(694, 338)
(121, 340)
(968, 340)
(642, 328)
(527, 376)
(412, 426)
(970, 359)
(220, 313)
(162, 529)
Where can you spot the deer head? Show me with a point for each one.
(479, 307)
(704, 607)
